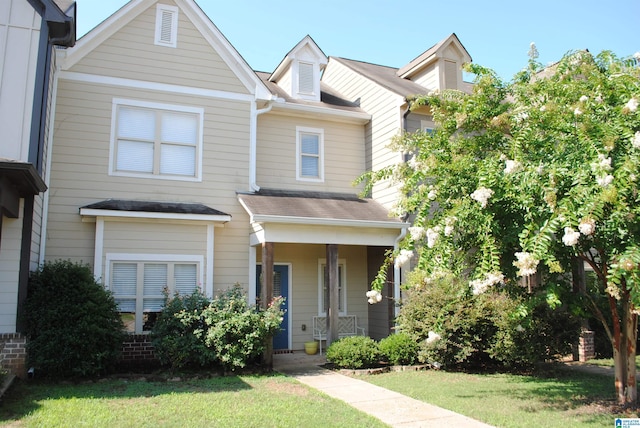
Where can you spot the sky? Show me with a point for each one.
(496, 33)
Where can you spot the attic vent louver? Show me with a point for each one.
(166, 25)
(305, 73)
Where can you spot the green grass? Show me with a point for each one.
(561, 399)
(233, 401)
(608, 362)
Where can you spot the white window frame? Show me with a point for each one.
(156, 107)
(342, 265)
(300, 130)
(174, 259)
(427, 126)
(161, 9)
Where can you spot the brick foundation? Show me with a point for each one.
(138, 353)
(586, 347)
(13, 353)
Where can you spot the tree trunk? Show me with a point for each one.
(624, 351)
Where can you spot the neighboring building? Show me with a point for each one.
(29, 30)
(176, 166)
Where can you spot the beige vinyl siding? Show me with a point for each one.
(286, 83)
(131, 54)
(276, 154)
(80, 172)
(303, 300)
(429, 77)
(414, 121)
(10, 270)
(385, 109)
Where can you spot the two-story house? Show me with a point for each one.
(29, 30)
(176, 166)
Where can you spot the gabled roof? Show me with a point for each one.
(383, 76)
(209, 31)
(306, 42)
(431, 54)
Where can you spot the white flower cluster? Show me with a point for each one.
(416, 233)
(432, 195)
(587, 227)
(432, 337)
(374, 297)
(448, 225)
(432, 236)
(584, 99)
(512, 166)
(577, 111)
(526, 264)
(403, 257)
(604, 180)
(479, 286)
(604, 162)
(570, 237)
(632, 104)
(482, 195)
(636, 140)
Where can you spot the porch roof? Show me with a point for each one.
(316, 208)
(319, 218)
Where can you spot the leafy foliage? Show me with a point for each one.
(179, 332)
(194, 331)
(399, 349)
(520, 179)
(454, 328)
(354, 352)
(237, 332)
(72, 323)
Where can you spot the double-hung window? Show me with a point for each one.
(139, 286)
(156, 140)
(323, 290)
(310, 154)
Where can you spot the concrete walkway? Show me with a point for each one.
(390, 407)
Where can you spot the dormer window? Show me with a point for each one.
(299, 72)
(166, 25)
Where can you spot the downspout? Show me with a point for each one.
(253, 149)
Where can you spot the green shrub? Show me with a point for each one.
(72, 323)
(179, 332)
(455, 328)
(399, 349)
(237, 332)
(194, 331)
(354, 352)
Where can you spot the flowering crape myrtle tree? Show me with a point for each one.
(521, 178)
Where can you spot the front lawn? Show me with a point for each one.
(232, 401)
(559, 399)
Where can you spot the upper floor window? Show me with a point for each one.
(310, 152)
(166, 25)
(156, 140)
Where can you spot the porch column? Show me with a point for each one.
(332, 279)
(266, 294)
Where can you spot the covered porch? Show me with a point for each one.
(322, 250)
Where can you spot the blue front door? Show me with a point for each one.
(280, 288)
